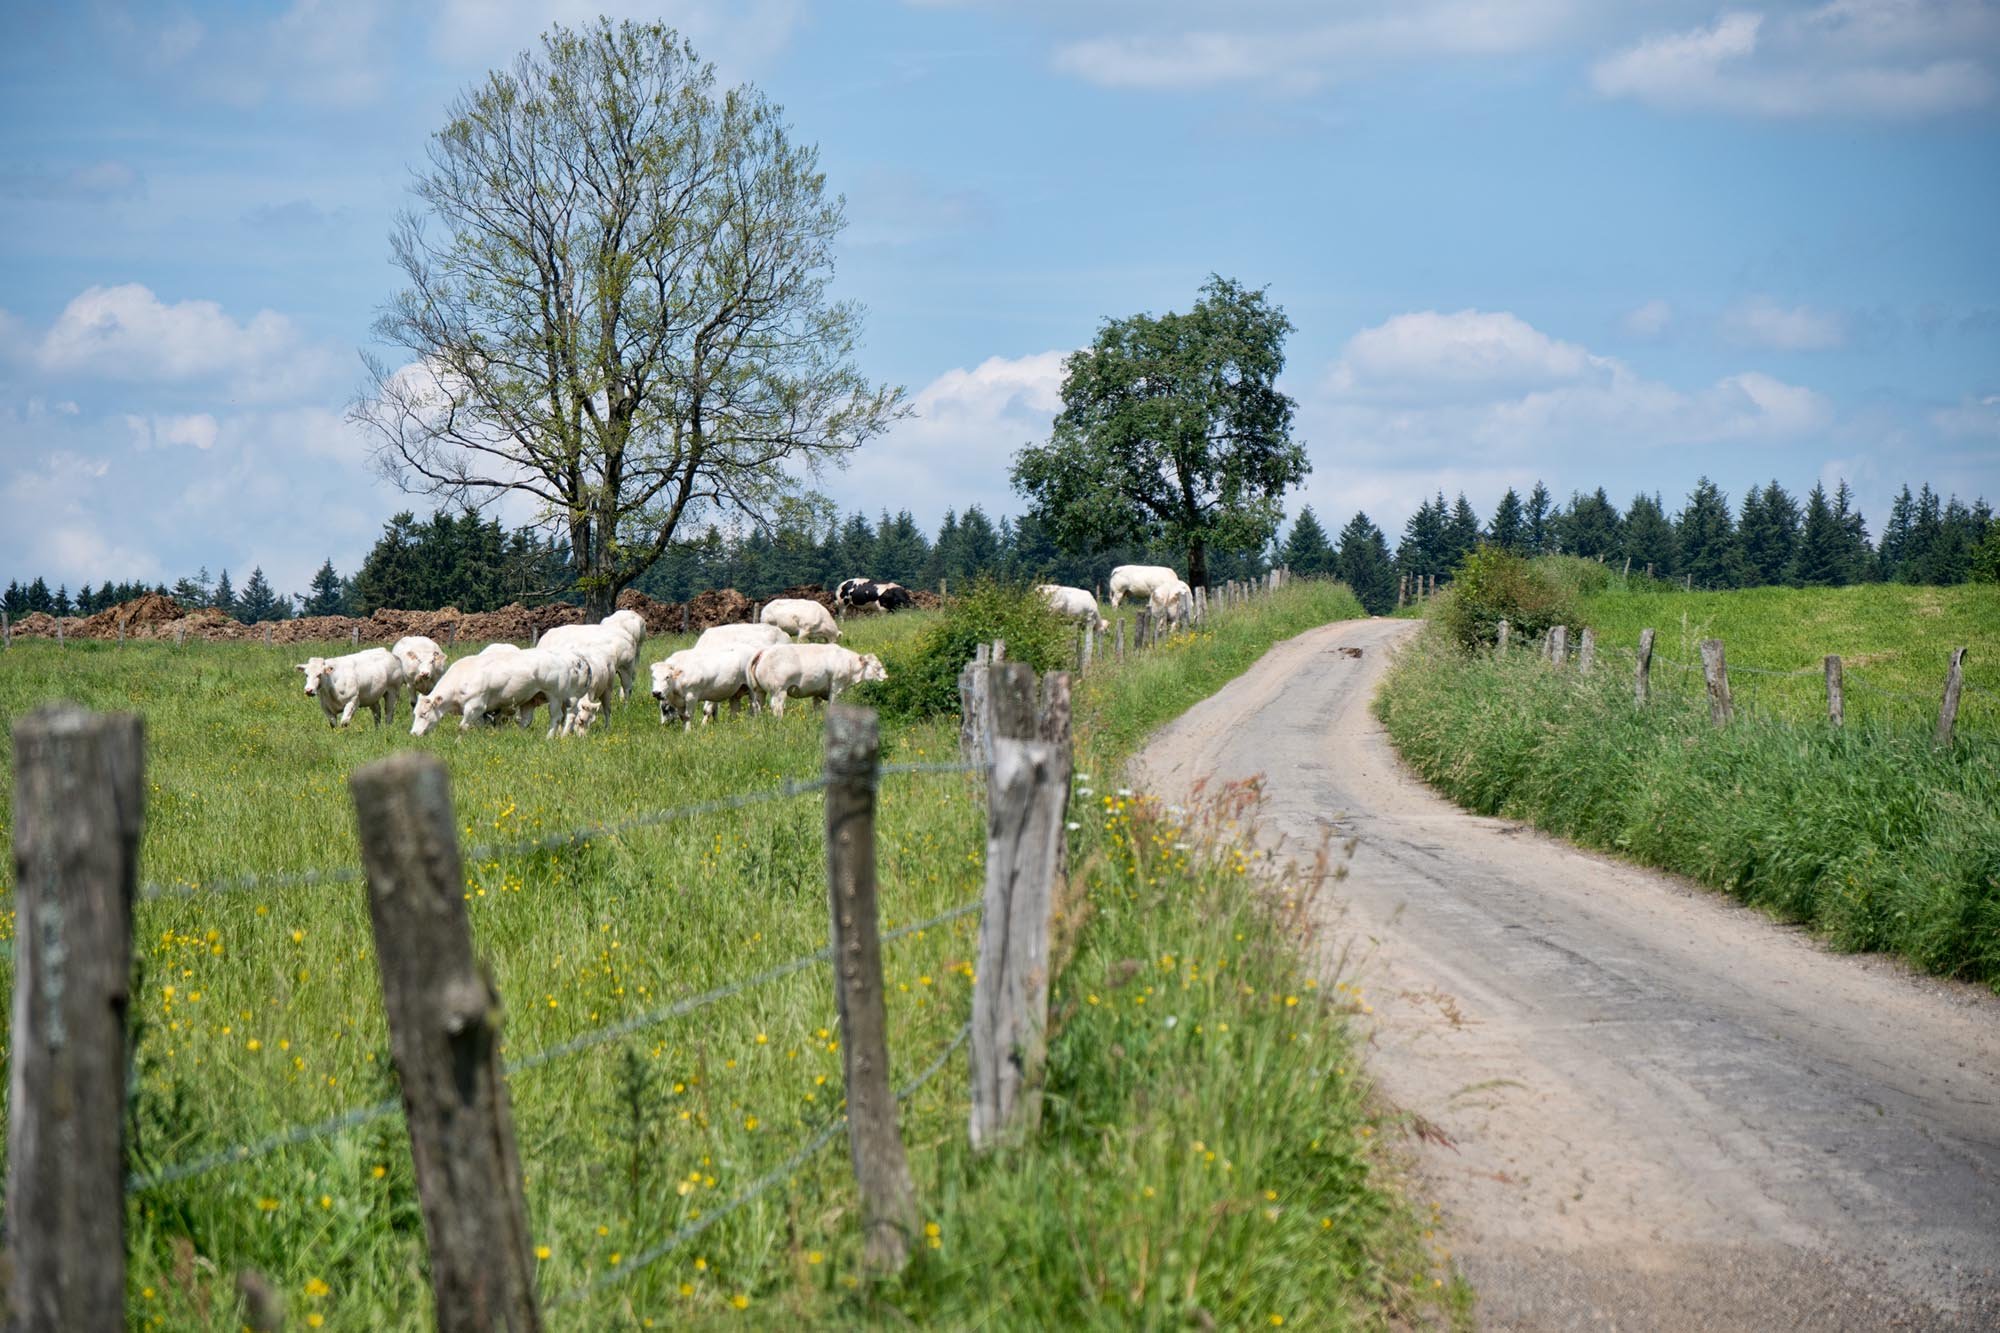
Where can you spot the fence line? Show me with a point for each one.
(236, 1154)
(764, 1184)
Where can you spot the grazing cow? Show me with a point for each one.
(801, 619)
(423, 661)
(1073, 604)
(1138, 581)
(372, 678)
(474, 687)
(615, 631)
(853, 594)
(708, 676)
(809, 671)
(743, 636)
(1173, 604)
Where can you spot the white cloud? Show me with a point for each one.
(1649, 320)
(1972, 419)
(1904, 58)
(1469, 351)
(1431, 390)
(127, 333)
(961, 440)
(197, 429)
(1297, 46)
(1762, 322)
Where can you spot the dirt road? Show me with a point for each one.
(1666, 1112)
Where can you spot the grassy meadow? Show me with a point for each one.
(1209, 1148)
(1868, 833)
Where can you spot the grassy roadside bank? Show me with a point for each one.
(1207, 1153)
(1868, 834)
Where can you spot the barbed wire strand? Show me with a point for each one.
(778, 1175)
(292, 1136)
(791, 787)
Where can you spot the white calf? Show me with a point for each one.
(423, 661)
(372, 678)
(801, 618)
(707, 676)
(615, 631)
(472, 687)
(1073, 604)
(1173, 604)
(809, 671)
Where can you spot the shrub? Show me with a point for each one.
(1492, 585)
(923, 672)
(1573, 574)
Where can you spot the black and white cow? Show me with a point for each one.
(856, 593)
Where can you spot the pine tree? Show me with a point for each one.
(39, 597)
(1422, 549)
(1858, 556)
(62, 605)
(1768, 530)
(1364, 565)
(1894, 552)
(1986, 559)
(1707, 539)
(225, 595)
(1538, 534)
(1461, 533)
(323, 597)
(1510, 524)
(1306, 551)
(16, 599)
(259, 603)
(1646, 538)
(1589, 527)
(193, 591)
(1819, 560)
(86, 601)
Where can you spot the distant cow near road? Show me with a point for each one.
(1139, 581)
(1073, 604)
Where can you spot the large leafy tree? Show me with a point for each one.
(617, 304)
(1173, 432)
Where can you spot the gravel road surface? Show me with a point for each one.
(1665, 1111)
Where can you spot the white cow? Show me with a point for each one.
(1173, 604)
(423, 661)
(809, 671)
(1073, 604)
(741, 636)
(1138, 581)
(719, 673)
(372, 678)
(473, 687)
(801, 618)
(615, 631)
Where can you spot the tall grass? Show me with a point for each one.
(1870, 834)
(1144, 1201)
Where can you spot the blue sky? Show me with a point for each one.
(1596, 244)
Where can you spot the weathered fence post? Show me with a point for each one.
(1121, 639)
(973, 682)
(1586, 651)
(180, 635)
(1026, 799)
(1142, 630)
(451, 638)
(79, 797)
(267, 634)
(1954, 680)
(684, 617)
(354, 636)
(1836, 700)
(444, 1034)
(1089, 642)
(882, 1171)
(1402, 590)
(1642, 674)
(1559, 645)
(1716, 672)
(59, 634)
(1500, 638)
(6, 632)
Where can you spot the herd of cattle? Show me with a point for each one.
(572, 669)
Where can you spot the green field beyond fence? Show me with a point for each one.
(1209, 1151)
(1871, 832)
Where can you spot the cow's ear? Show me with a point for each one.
(300, 667)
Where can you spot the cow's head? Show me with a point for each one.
(424, 714)
(587, 711)
(667, 690)
(872, 668)
(316, 669)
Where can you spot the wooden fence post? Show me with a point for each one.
(444, 1034)
(1716, 672)
(1402, 590)
(354, 636)
(1559, 645)
(1500, 638)
(1954, 680)
(685, 619)
(180, 635)
(1586, 651)
(6, 632)
(882, 1171)
(267, 634)
(451, 638)
(973, 682)
(1026, 799)
(79, 797)
(1121, 640)
(1642, 675)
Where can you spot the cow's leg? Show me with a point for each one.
(347, 713)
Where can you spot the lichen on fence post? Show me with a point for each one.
(1716, 672)
(1954, 681)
